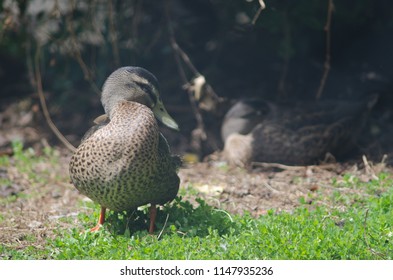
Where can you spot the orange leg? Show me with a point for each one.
(101, 220)
(153, 215)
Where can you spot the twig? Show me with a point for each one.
(286, 58)
(129, 219)
(290, 167)
(226, 213)
(326, 65)
(180, 54)
(270, 188)
(162, 230)
(176, 48)
(77, 54)
(277, 165)
(38, 84)
(194, 107)
(136, 19)
(384, 158)
(369, 169)
(262, 6)
(29, 63)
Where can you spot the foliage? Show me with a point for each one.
(80, 42)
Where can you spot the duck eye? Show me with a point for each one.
(147, 89)
(143, 86)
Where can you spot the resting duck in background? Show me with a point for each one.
(293, 134)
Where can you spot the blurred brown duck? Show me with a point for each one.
(289, 133)
(124, 161)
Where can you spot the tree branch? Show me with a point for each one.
(179, 56)
(326, 65)
(38, 84)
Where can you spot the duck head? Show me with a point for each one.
(138, 85)
(244, 115)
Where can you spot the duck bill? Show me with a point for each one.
(163, 116)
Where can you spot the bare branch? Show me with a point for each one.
(38, 84)
(179, 56)
(261, 8)
(88, 74)
(326, 65)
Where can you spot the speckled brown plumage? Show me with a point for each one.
(125, 162)
(120, 166)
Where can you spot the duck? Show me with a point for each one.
(124, 161)
(291, 133)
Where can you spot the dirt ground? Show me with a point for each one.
(272, 186)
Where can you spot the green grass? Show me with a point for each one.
(349, 225)
(205, 233)
(202, 232)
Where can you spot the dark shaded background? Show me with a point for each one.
(76, 44)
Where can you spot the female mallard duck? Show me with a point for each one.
(294, 134)
(124, 162)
